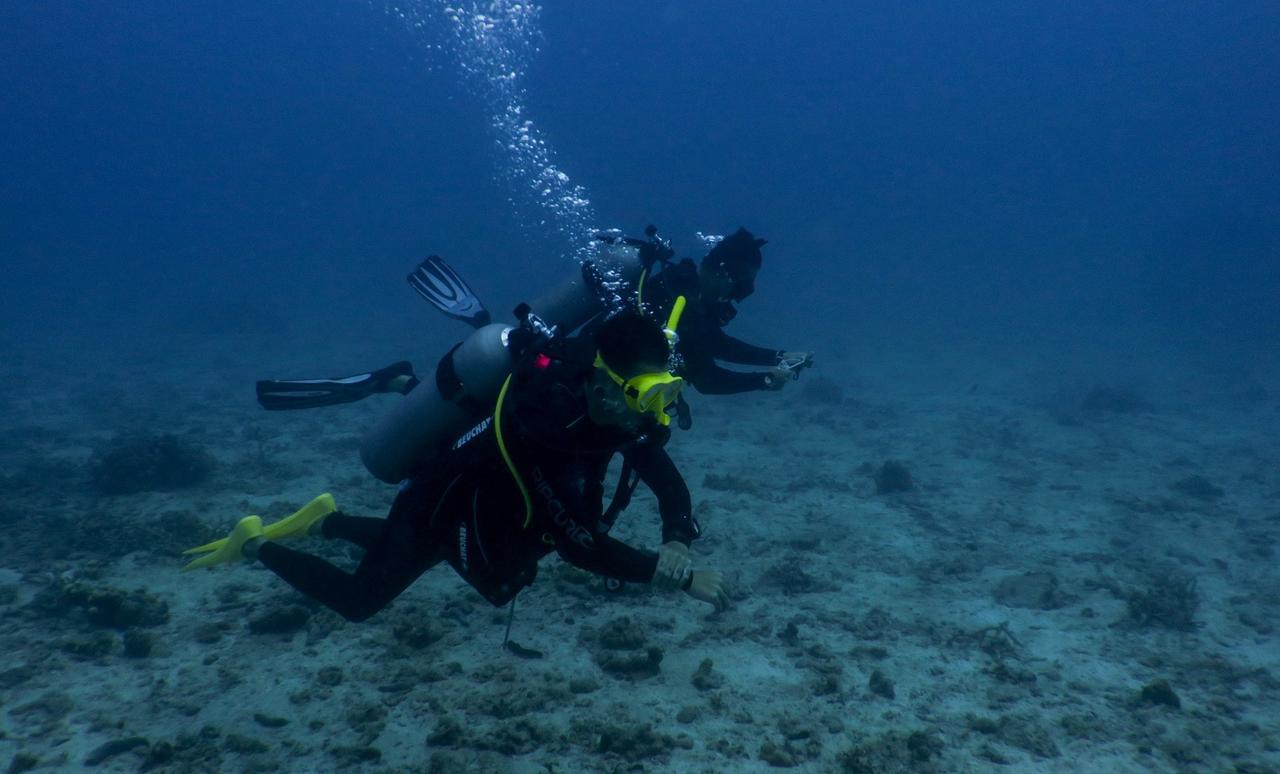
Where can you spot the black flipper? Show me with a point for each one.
(445, 289)
(285, 394)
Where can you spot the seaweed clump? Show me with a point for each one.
(623, 650)
(1032, 590)
(103, 607)
(893, 476)
(149, 463)
(790, 578)
(1159, 692)
(634, 744)
(1170, 601)
(893, 751)
(1198, 487)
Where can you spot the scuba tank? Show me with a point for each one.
(468, 378)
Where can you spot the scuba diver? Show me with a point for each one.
(725, 277)
(523, 482)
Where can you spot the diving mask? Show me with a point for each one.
(655, 392)
(650, 393)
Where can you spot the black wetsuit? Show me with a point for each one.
(468, 510)
(702, 337)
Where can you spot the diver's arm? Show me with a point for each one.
(733, 350)
(711, 379)
(578, 543)
(679, 529)
(571, 513)
(700, 353)
(698, 347)
(663, 478)
(610, 557)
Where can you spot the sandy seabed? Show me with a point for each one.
(1082, 576)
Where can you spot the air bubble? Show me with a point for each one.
(492, 42)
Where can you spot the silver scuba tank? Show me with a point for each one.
(467, 380)
(440, 408)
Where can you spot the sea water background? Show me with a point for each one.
(1096, 178)
(1033, 246)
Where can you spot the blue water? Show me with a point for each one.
(918, 169)
(1034, 245)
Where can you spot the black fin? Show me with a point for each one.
(445, 289)
(287, 394)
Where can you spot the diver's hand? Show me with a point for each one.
(708, 586)
(674, 565)
(790, 364)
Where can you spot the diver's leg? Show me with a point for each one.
(366, 531)
(384, 573)
(363, 531)
(284, 394)
(404, 549)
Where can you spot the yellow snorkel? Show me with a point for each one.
(640, 291)
(673, 320)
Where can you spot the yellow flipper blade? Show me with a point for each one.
(299, 523)
(230, 551)
(207, 547)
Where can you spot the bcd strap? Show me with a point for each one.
(628, 480)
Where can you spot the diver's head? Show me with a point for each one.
(728, 271)
(631, 376)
